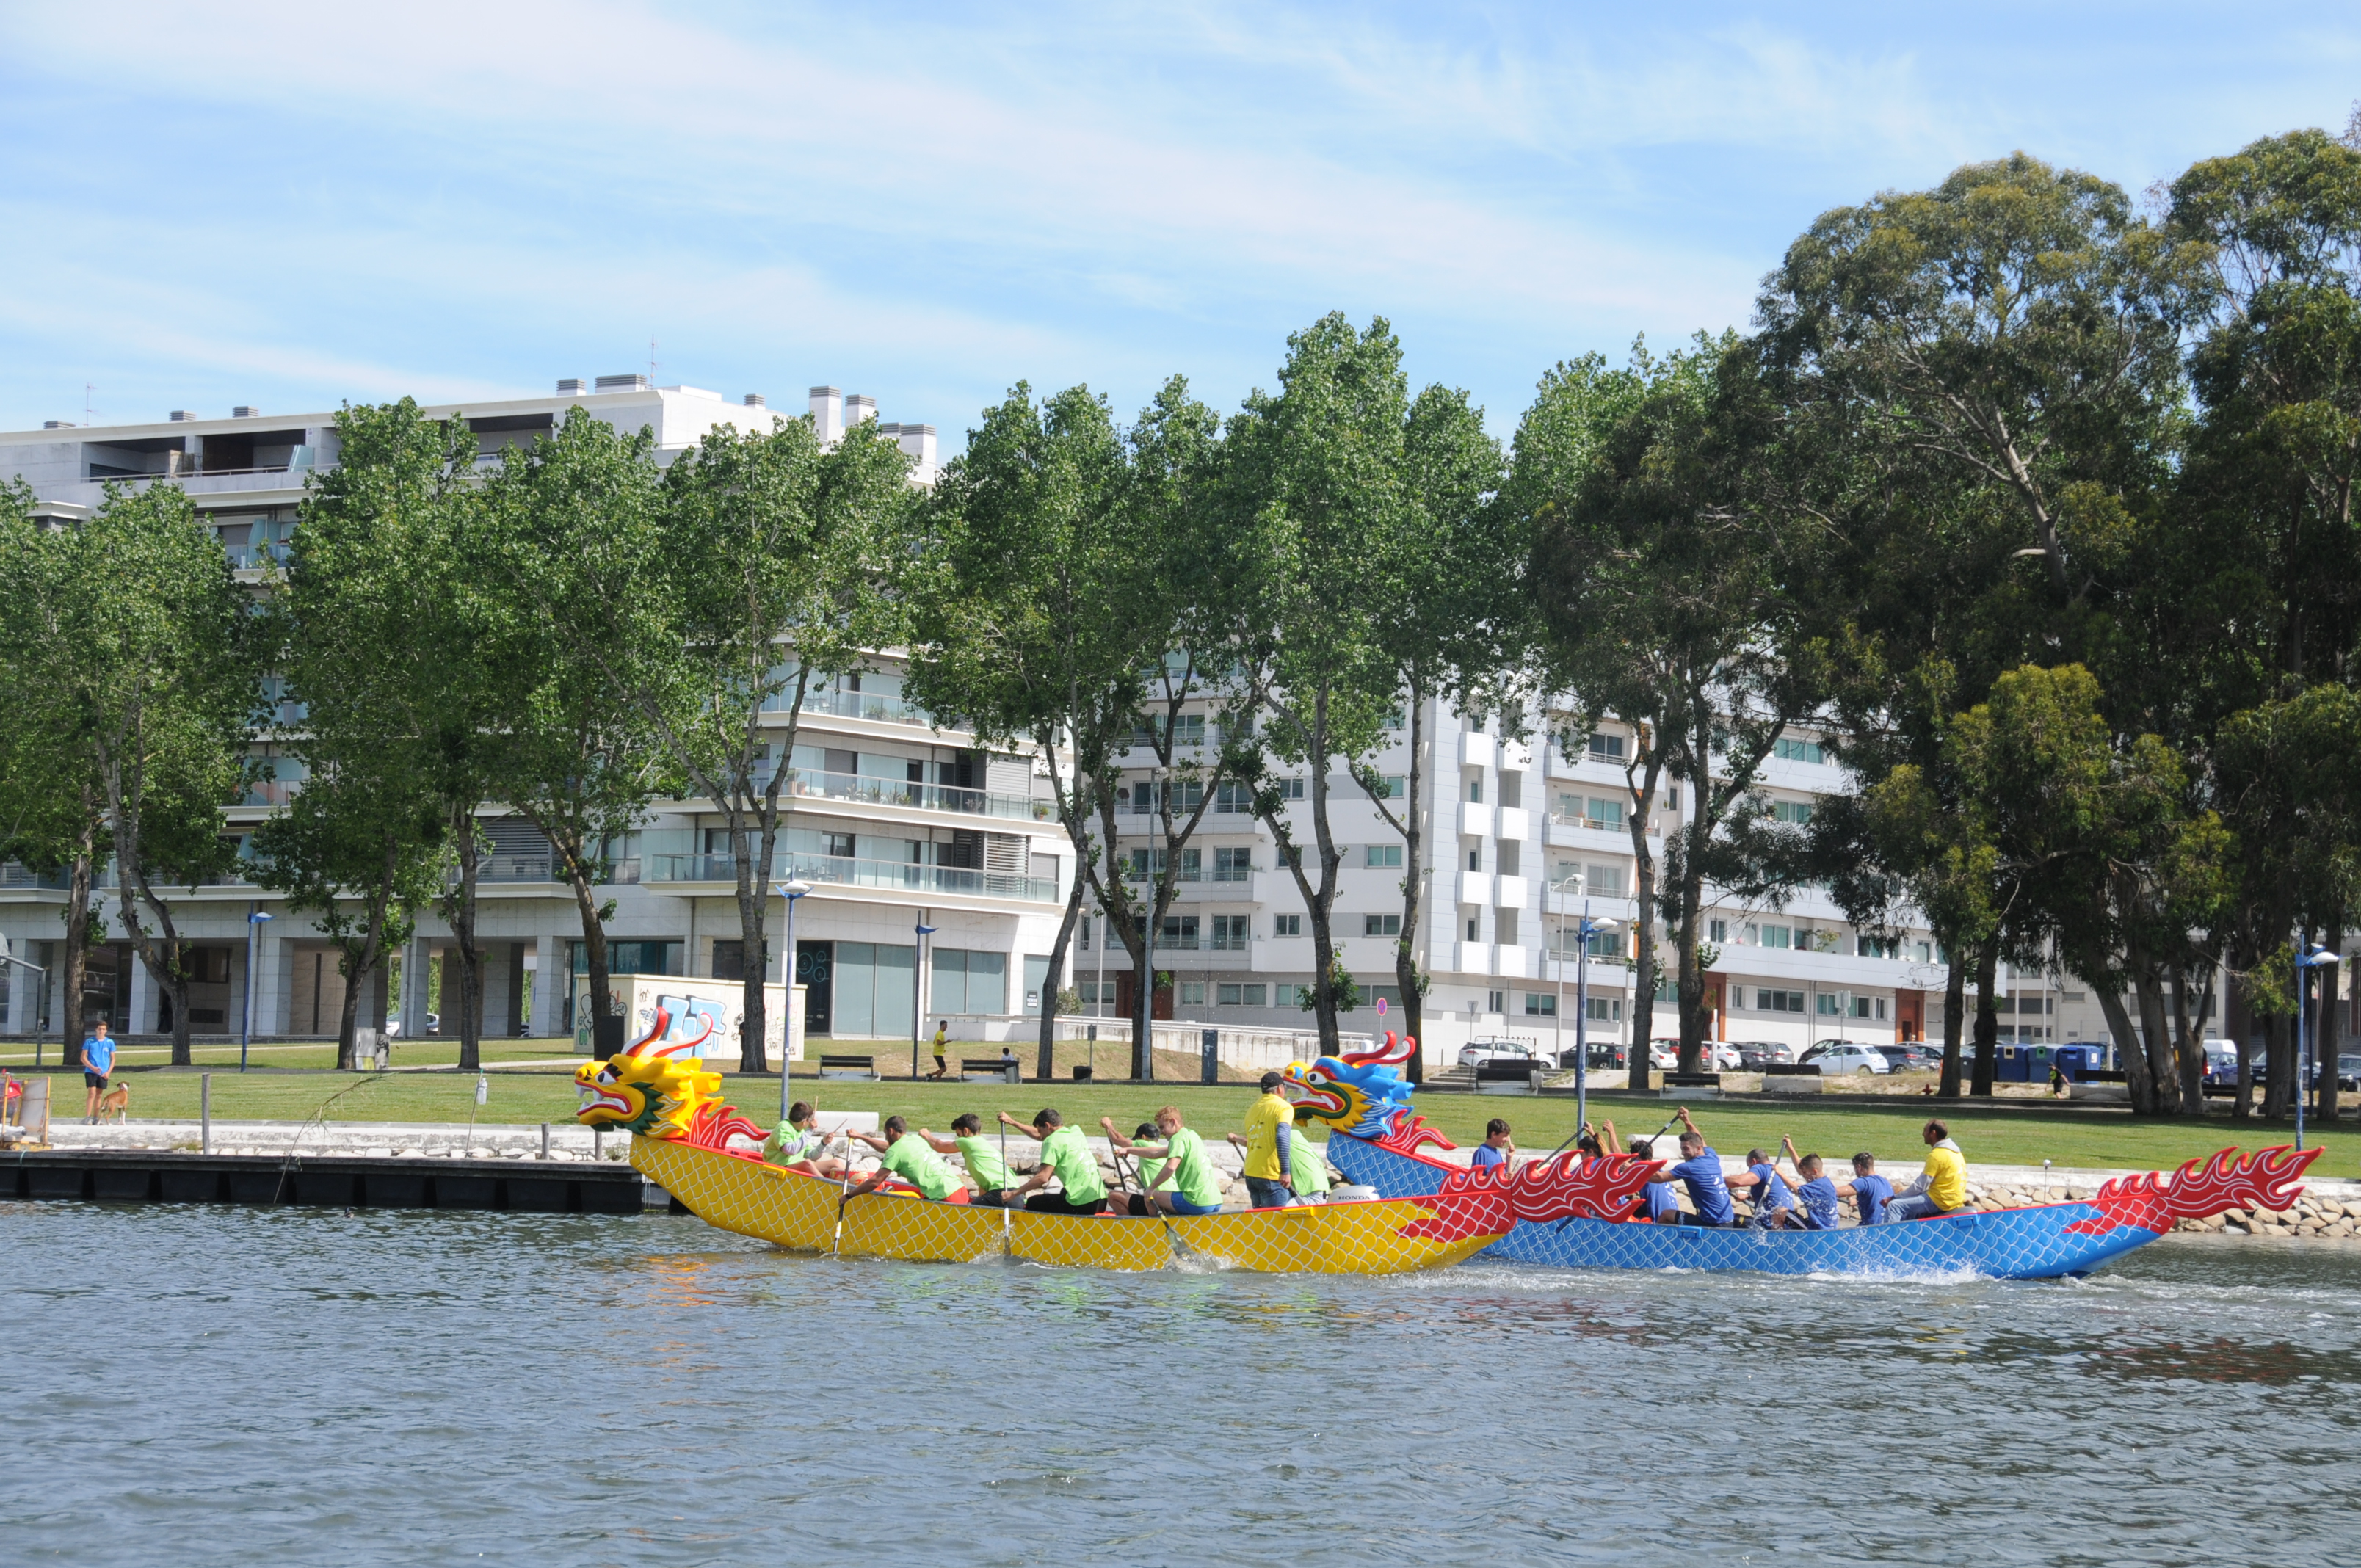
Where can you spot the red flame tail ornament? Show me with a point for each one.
(716, 1124)
(1393, 1053)
(2269, 1178)
(1569, 1186)
(1408, 1133)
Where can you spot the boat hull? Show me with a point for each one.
(793, 1210)
(2009, 1243)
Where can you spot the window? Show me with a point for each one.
(1607, 1010)
(1290, 789)
(644, 958)
(1769, 936)
(1233, 864)
(1391, 787)
(1396, 720)
(1095, 992)
(1230, 933)
(1381, 925)
(1796, 750)
(1188, 729)
(1540, 1004)
(1287, 925)
(1296, 995)
(1377, 857)
(1831, 1003)
(1796, 811)
(1241, 995)
(1193, 866)
(1234, 797)
(1716, 930)
(1179, 931)
(1476, 789)
(1193, 993)
(1600, 813)
(1471, 928)
(1476, 859)
(1388, 995)
(1779, 1001)
(1083, 932)
(1607, 747)
(840, 846)
(968, 981)
(1603, 882)
(1496, 1002)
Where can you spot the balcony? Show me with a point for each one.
(1514, 824)
(1476, 749)
(1516, 756)
(1475, 819)
(1471, 958)
(1476, 887)
(865, 791)
(872, 706)
(1509, 891)
(842, 870)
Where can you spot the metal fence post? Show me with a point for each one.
(205, 1112)
(1209, 1063)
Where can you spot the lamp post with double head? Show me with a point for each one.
(1586, 928)
(918, 993)
(2305, 1044)
(790, 891)
(254, 920)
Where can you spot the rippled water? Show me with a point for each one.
(200, 1385)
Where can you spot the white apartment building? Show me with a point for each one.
(898, 823)
(895, 821)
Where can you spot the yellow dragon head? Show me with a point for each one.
(654, 1089)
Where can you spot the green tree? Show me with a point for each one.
(1315, 481)
(579, 758)
(1034, 614)
(1665, 575)
(137, 632)
(391, 630)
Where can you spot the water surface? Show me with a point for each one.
(199, 1385)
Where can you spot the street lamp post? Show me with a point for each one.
(254, 919)
(2319, 958)
(1584, 927)
(917, 991)
(790, 890)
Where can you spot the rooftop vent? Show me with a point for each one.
(754, 400)
(246, 410)
(179, 415)
(858, 406)
(57, 424)
(631, 383)
(572, 387)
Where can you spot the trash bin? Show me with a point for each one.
(1082, 1073)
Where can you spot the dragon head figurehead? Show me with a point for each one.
(1360, 1092)
(655, 1088)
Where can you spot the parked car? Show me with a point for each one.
(1476, 1053)
(1897, 1058)
(1663, 1053)
(2349, 1073)
(1754, 1055)
(1920, 1057)
(1835, 1056)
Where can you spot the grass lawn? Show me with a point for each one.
(2006, 1134)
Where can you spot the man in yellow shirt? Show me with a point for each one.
(1270, 1132)
(1941, 1188)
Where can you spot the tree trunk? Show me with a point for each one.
(1054, 982)
(1987, 1019)
(463, 939)
(2163, 1071)
(606, 1023)
(1955, 1009)
(76, 915)
(1690, 888)
(754, 943)
(1643, 887)
(2188, 1044)
(1407, 978)
(2279, 1067)
(2129, 1049)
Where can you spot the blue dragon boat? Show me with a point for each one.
(1377, 1141)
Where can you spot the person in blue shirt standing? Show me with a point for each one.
(1497, 1145)
(1774, 1204)
(1701, 1171)
(97, 1066)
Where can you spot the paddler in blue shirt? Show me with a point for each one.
(1767, 1188)
(1701, 1171)
(1656, 1201)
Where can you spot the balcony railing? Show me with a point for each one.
(845, 871)
(923, 796)
(854, 705)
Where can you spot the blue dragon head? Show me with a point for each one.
(1359, 1093)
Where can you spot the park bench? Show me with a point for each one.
(984, 1069)
(847, 1067)
(1513, 1076)
(1696, 1085)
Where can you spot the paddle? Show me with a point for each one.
(843, 1193)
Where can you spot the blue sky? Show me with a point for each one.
(294, 205)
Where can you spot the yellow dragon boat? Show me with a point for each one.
(707, 1157)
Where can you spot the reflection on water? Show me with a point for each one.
(227, 1386)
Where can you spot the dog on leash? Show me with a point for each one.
(115, 1103)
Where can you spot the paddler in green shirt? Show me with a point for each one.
(1183, 1180)
(1066, 1155)
(988, 1174)
(1309, 1167)
(799, 1143)
(907, 1156)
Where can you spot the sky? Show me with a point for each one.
(295, 206)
